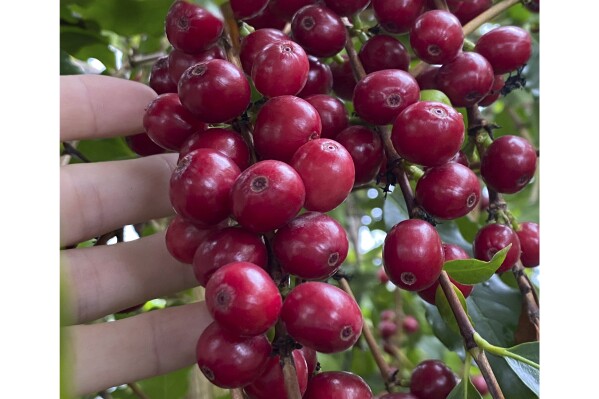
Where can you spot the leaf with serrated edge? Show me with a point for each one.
(474, 271)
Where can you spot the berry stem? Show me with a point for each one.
(231, 38)
(289, 374)
(488, 15)
(499, 351)
(529, 294)
(137, 390)
(467, 361)
(441, 5)
(236, 393)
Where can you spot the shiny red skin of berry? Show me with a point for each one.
(398, 395)
(311, 359)
(287, 8)
(281, 68)
(384, 52)
(191, 28)
(412, 255)
(160, 78)
(243, 298)
(320, 79)
(255, 42)
(225, 141)
(333, 114)
(460, 158)
(322, 316)
(450, 252)
(466, 10)
(387, 328)
(410, 324)
(495, 92)
(229, 360)
(397, 16)
(267, 20)
(183, 238)
(346, 8)
(294, 246)
(318, 30)
(427, 79)
(507, 48)
(382, 275)
(344, 81)
(179, 61)
(283, 125)
(231, 244)
(271, 384)
(168, 123)
(382, 95)
(216, 91)
(267, 195)
(328, 173)
(529, 243)
(509, 164)
(201, 184)
(142, 145)
(366, 150)
(480, 384)
(448, 191)
(337, 384)
(428, 133)
(432, 379)
(437, 37)
(244, 9)
(466, 80)
(492, 238)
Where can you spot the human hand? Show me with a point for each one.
(97, 198)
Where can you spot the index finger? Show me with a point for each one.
(96, 106)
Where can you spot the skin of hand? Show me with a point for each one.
(97, 198)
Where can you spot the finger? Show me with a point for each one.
(96, 106)
(100, 197)
(106, 279)
(154, 343)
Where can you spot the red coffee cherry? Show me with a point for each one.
(318, 30)
(254, 43)
(346, 8)
(183, 238)
(311, 359)
(529, 242)
(320, 79)
(384, 52)
(388, 314)
(410, 324)
(281, 68)
(466, 80)
(344, 81)
(287, 8)
(179, 61)
(427, 79)
(437, 37)
(267, 20)
(191, 28)
(322, 317)
(333, 114)
(492, 238)
(466, 10)
(507, 48)
(160, 79)
(244, 9)
(397, 16)
(142, 145)
(225, 141)
(495, 92)
(412, 255)
(337, 384)
(366, 150)
(432, 379)
(271, 384)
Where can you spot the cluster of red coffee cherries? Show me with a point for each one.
(262, 137)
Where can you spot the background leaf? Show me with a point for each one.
(464, 390)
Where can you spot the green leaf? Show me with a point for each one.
(445, 308)
(464, 390)
(509, 381)
(528, 375)
(84, 44)
(474, 271)
(394, 209)
(105, 149)
(68, 65)
(168, 386)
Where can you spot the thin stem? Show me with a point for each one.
(145, 59)
(231, 38)
(488, 15)
(441, 5)
(356, 65)
(236, 393)
(137, 391)
(499, 351)
(483, 364)
(467, 361)
(290, 376)
(528, 295)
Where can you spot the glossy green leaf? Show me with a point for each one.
(529, 375)
(474, 271)
(464, 390)
(510, 383)
(445, 308)
(68, 66)
(105, 149)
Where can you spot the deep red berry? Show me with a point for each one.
(191, 28)
(397, 16)
(529, 242)
(287, 8)
(384, 52)
(179, 61)
(410, 324)
(225, 141)
(328, 173)
(322, 316)
(267, 20)
(142, 145)
(255, 42)
(344, 81)
(495, 92)
(267, 195)
(432, 379)
(271, 384)
(398, 395)
(318, 30)
(480, 384)
(466, 10)
(382, 95)
(508, 164)
(412, 255)
(366, 150)
(311, 359)
(437, 37)
(387, 329)
(428, 133)
(320, 79)
(466, 80)
(492, 238)
(201, 184)
(333, 114)
(231, 361)
(216, 91)
(281, 68)
(183, 238)
(507, 48)
(427, 79)
(337, 384)
(346, 8)
(160, 79)
(244, 9)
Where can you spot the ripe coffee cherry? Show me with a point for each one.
(283, 125)
(480, 384)
(382, 95)
(294, 247)
(328, 173)
(509, 164)
(287, 8)
(271, 384)
(221, 247)
(427, 79)
(450, 252)
(492, 238)
(281, 68)
(243, 298)
(191, 28)
(183, 238)
(495, 92)
(168, 123)
(466, 10)
(384, 52)
(311, 359)
(437, 37)
(529, 242)
(320, 79)
(267, 20)
(267, 195)
(366, 150)
(466, 80)
(227, 142)
(244, 9)
(333, 114)
(160, 79)
(179, 61)
(448, 191)
(337, 384)
(318, 30)
(216, 91)
(231, 361)
(142, 145)
(201, 184)
(397, 16)
(322, 317)
(344, 81)
(410, 324)
(255, 42)
(507, 48)
(387, 329)
(428, 133)
(346, 8)
(432, 379)
(412, 255)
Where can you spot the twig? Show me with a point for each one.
(441, 5)
(488, 15)
(137, 391)
(292, 388)
(236, 393)
(70, 150)
(529, 296)
(145, 59)
(231, 38)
